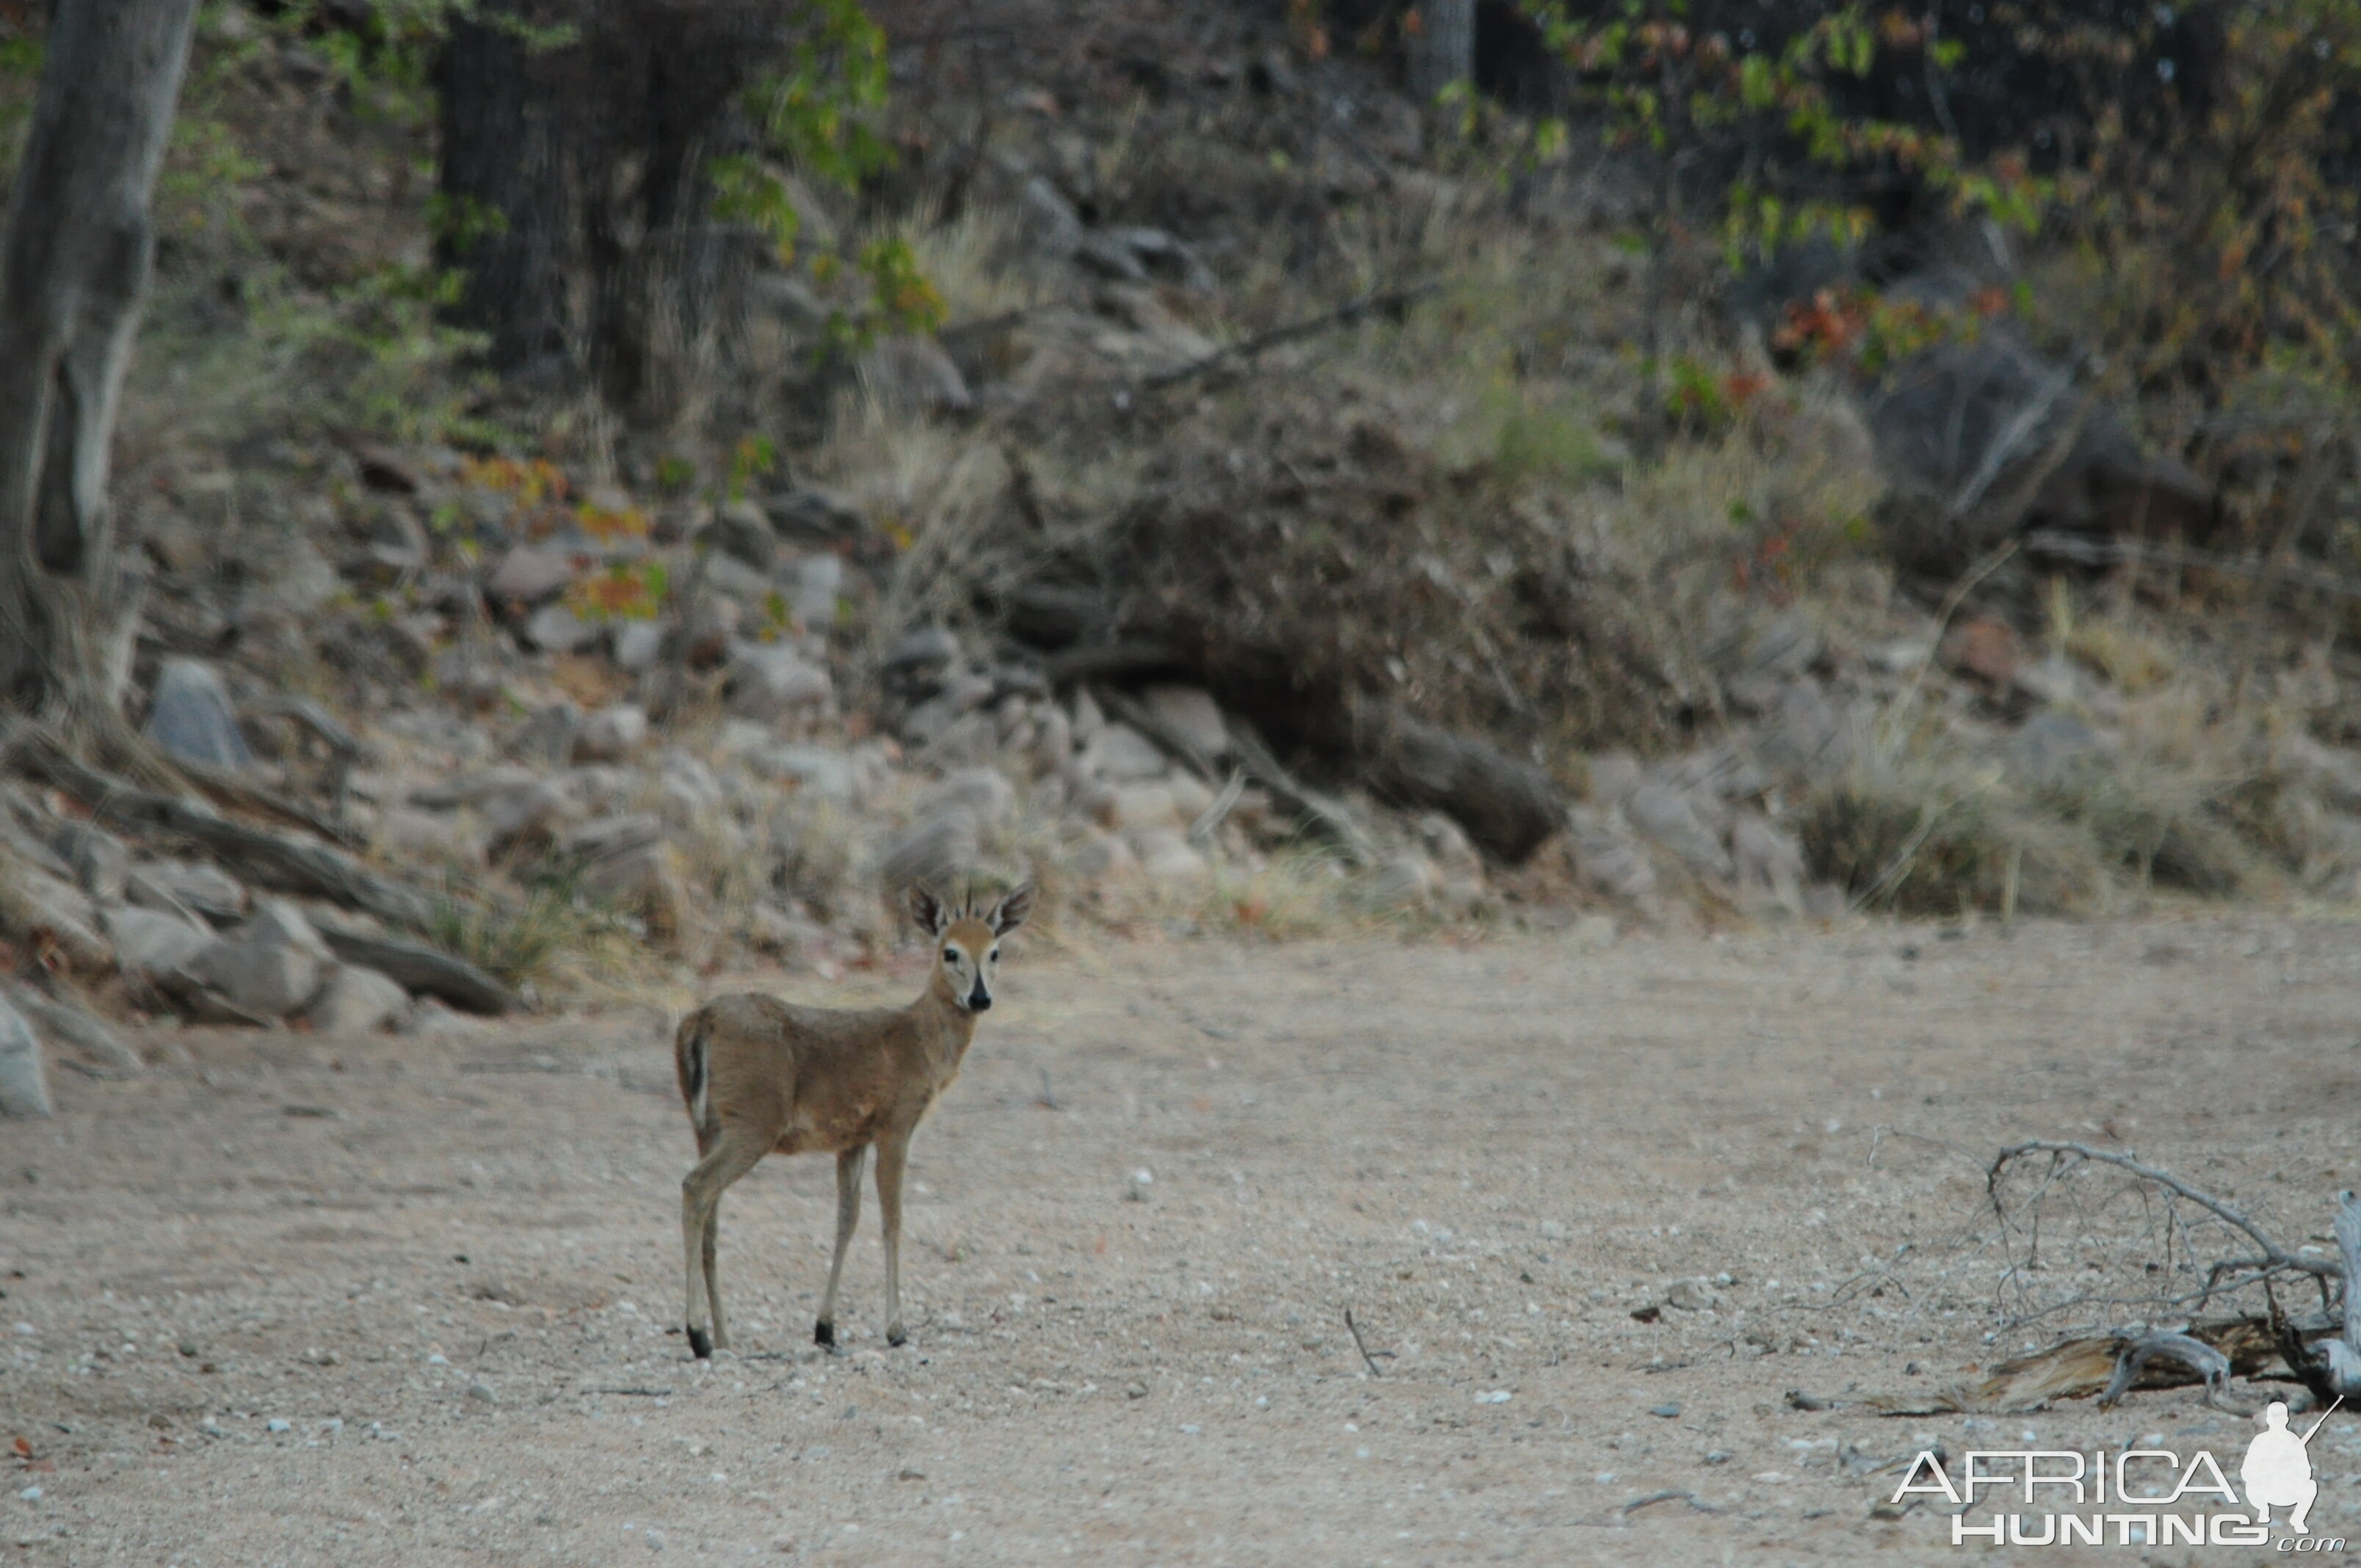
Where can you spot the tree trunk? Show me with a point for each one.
(574, 186)
(75, 263)
(1442, 49)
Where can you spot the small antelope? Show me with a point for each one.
(759, 1075)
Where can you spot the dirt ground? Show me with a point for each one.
(415, 1301)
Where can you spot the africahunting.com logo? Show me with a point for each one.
(2137, 1497)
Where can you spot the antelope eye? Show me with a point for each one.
(950, 955)
(993, 955)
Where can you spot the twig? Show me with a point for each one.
(2109, 552)
(1046, 1100)
(1363, 1345)
(2275, 1256)
(1311, 326)
(2004, 445)
(637, 1393)
(1209, 821)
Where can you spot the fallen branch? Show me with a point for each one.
(1328, 815)
(417, 968)
(2275, 1257)
(288, 864)
(2061, 546)
(1392, 303)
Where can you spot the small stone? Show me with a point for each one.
(1668, 1412)
(1121, 755)
(528, 575)
(1192, 717)
(814, 770)
(555, 628)
(1401, 882)
(1136, 1390)
(355, 1001)
(772, 680)
(1984, 648)
(481, 1393)
(612, 734)
(814, 589)
(278, 1423)
(1691, 1295)
(637, 644)
(1190, 798)
(192, 718)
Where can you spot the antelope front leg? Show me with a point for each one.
(848, 1214)
(892, 1152)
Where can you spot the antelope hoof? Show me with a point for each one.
(824, 1332)
(896, 1337)
(700, 1343)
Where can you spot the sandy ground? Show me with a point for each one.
(398, 1301)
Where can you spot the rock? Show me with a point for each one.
(417, 838)
(528, 575)
(818, 515)
(773, 680)
(1670, 817)
(1784, 647)
(814, 770)
(1691, 1295)
(1048, 220)
(268, 980)
(638, 644)
(192, 718)
(555, 628)
(97, 859)
(278, 923)
(1190, 798)
(813, 590)
(911, 375)
(356, 1001)
(644, 876)
(1101, 857)
(612, 734)
(982, 793)
(152, 943)
(1768, 859)
(1613, 777)
(522, 814)
(934, 850)
(744, 530)
(474, 788)
(1449, 846)
(1984, 648)
(546, 738)
(927, 723)
(481, 1393)
(1805, 733)
(1399, 882)
(1142, 805)
(1190, 714)
(68, 1024)
(41, 905)
(1606, 861)
(920, 648)
(1165, 854)
(24, 1077)
(611, 836)
(971, 741)
(1053, 740)
(193, 887)
(1120, 755)
(2050, 747)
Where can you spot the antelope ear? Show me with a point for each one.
(1011, 911)
(928, 910)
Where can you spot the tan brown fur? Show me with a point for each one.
(760, 1076)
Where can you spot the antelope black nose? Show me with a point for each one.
(979, 1000)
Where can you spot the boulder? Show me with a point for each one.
(194, 886)
(67, 1024)
(1606, 859)
(815, 771)
(268, 978)
(814, 587)
(355, 1001)
(278, 923)
(522, 813)
(1101, 857)
(193, 718)
(1767, 859)
(546, 738)
(24, 1077)
(612, 734)
(152, 943)
(51, 907)
(920, 648)
(1165, 854)
(97, 859)
(1142, 805)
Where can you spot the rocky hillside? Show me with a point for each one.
(1296, 524)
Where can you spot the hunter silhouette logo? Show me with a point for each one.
(2137, 1498)
(2278, 1471)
